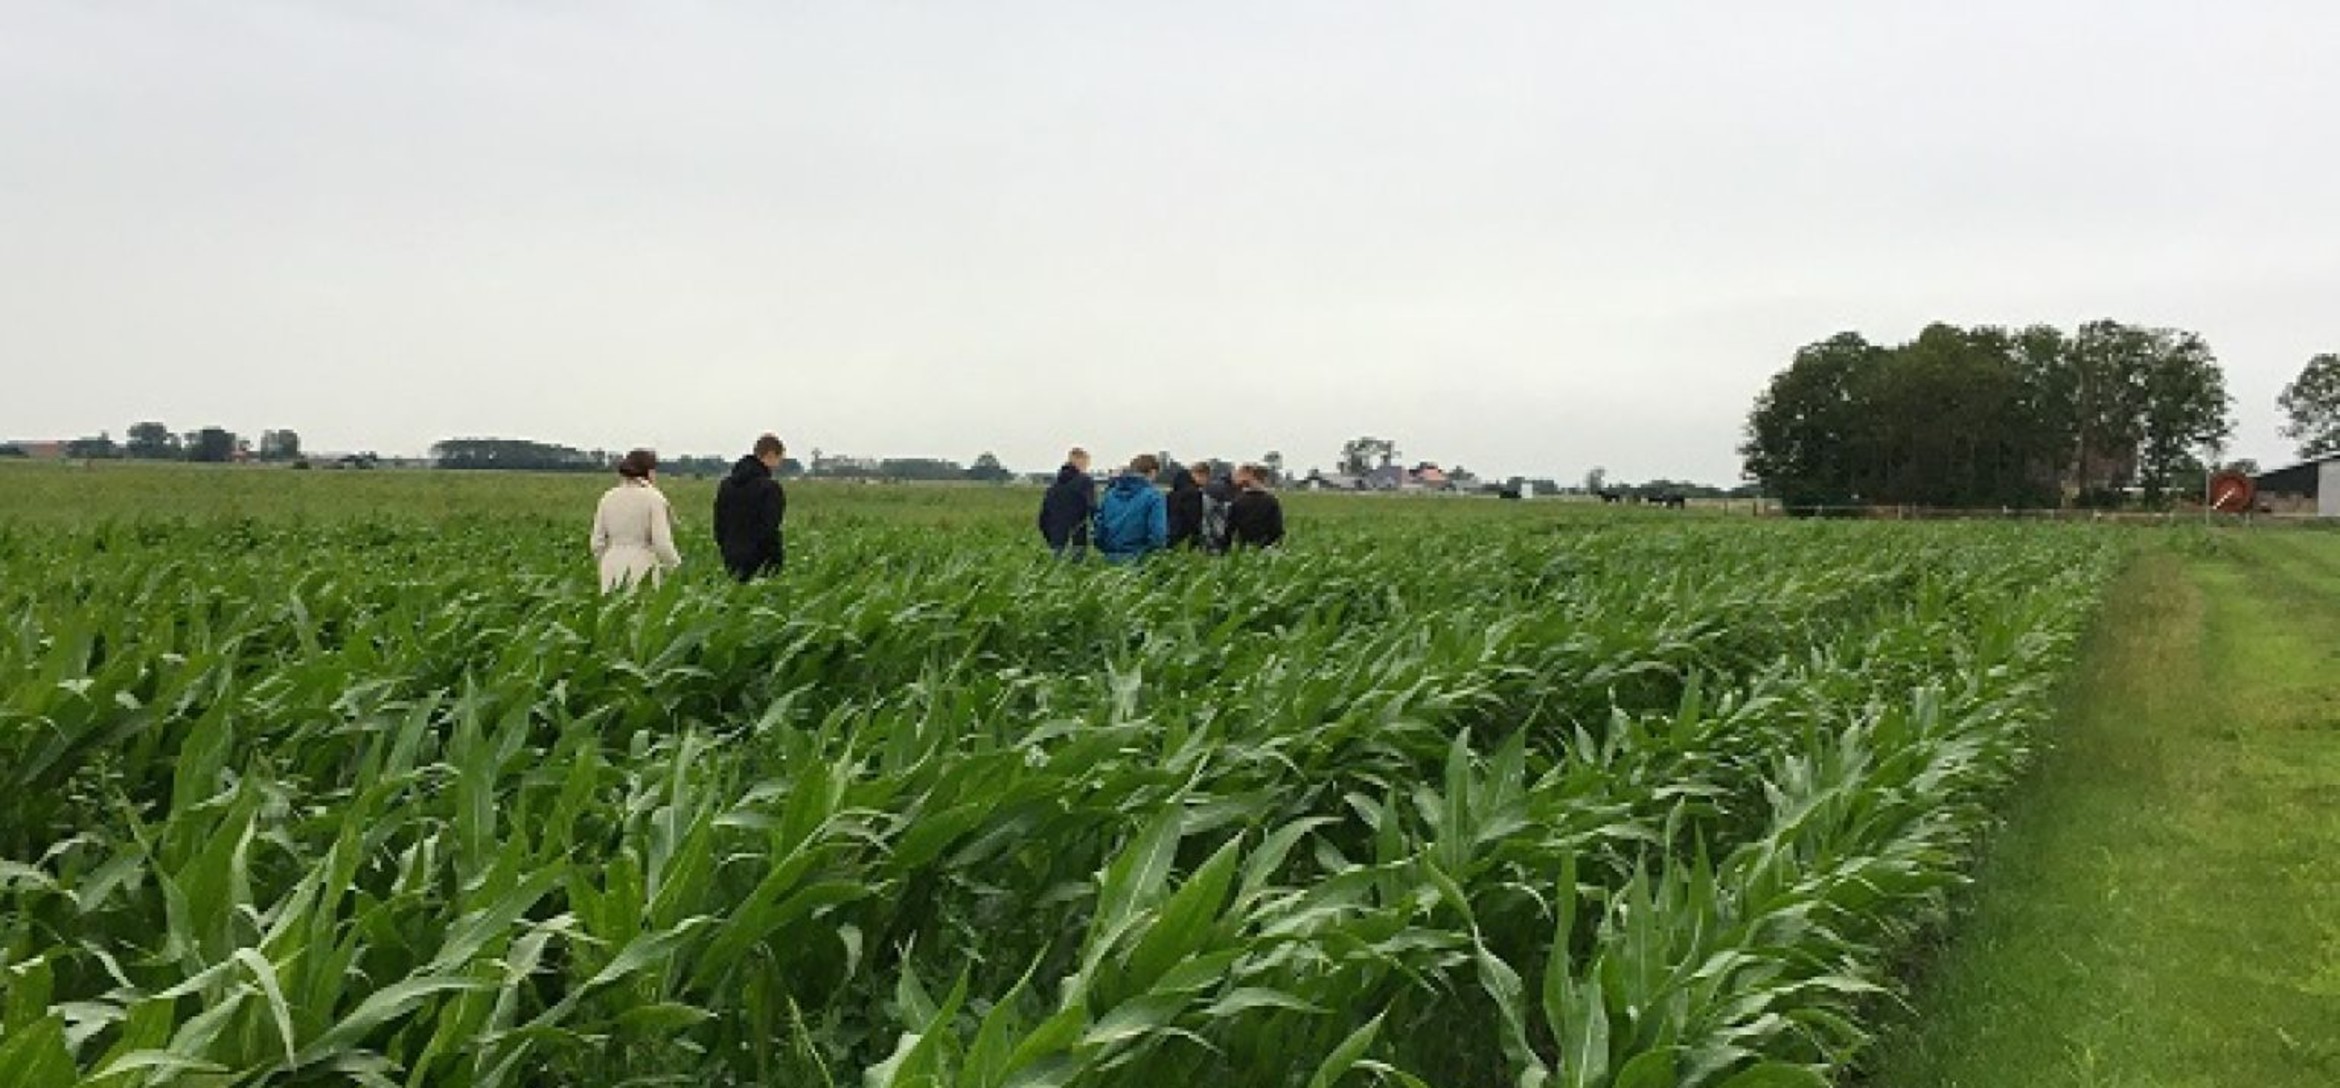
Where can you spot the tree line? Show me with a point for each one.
(152, 440)
(533, 456)
(1991, 417)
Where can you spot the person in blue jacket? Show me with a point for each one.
(1133, 521)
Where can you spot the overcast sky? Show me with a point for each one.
(1527, 237)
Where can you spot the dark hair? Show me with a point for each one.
(1199, 468)
(638, 465)
(769, 446)
(1145, 464)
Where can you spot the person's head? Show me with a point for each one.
(1078, 458)
(1201, 471)
(769, 450)
(1146, 465)
(638, 465)
(1251, 476)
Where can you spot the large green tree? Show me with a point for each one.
(2311, 407)
(212, 444)
(1807, 429)
(1950, 423)
(2183, 412)
(1964, 417)
(151, 441)
(988, 469)
(2107, 362)
(1361, 455)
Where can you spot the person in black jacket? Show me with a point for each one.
(1218, 499)
(1257, 518)
(1186, 505)
(749, 506)
(1066, 509)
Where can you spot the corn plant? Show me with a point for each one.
(410, 803)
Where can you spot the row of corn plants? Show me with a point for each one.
(394, 803)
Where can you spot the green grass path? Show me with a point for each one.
(2163, 908)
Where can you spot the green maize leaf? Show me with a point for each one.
(1347, 1055)
(34, 1056)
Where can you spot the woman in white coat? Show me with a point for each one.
(633, 530)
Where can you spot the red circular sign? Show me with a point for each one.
(2232, 492)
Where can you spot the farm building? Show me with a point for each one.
(2312, 487)
(44, 450)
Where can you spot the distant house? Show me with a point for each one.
(1332, 481)
(2310, 487)
(1421, 477)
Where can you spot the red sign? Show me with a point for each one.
(2232, 492)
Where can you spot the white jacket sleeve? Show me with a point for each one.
(601, 528)
(662, 534)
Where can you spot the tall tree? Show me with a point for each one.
(2108, 361)
(1804, 437)
(151, 441)
(1949, 423)
(2311, 407)
(1360, 455)
(2184, 410)
(2042, 355)
(988, 469)
(212, 444)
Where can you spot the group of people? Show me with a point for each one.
(1206, 510)
(633, 528)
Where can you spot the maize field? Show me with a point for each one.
(1529, 802)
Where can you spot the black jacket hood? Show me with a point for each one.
(750, 467)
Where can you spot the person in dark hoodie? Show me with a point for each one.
(749, 506)
(1257, 519)
(1133, 522)
(1218, 501)
(1186, 505)
(1066, 509)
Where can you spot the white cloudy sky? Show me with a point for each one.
(1529, 237)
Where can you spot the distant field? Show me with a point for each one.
(73, 494)
(330, 777)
